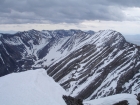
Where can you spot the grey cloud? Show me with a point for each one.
(56, 11)
(127, 3)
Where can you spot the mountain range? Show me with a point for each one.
(87, 65)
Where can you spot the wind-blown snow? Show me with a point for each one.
(30, 88)
(113, 99)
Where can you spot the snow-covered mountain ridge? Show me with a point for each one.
(33, 49)
(104, 64)
(86, 65)
(35, 87)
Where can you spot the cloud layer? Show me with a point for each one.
(63, 11)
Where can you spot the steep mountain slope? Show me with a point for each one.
(32, 87)
(33, 49)
(86, 65)
(20, 49)
(100, 65)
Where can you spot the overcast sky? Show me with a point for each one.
(119, 15)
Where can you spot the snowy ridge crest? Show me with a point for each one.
(35, 87)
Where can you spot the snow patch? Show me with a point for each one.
(30, 88)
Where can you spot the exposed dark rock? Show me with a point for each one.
(45, 67)
(72, 101)
(125, 102)
(138, 98)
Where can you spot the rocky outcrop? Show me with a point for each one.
(125, 102)
(138, 98)
(72, 101)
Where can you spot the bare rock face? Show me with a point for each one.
(72, 101)
(138, 98)
(122, 103)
